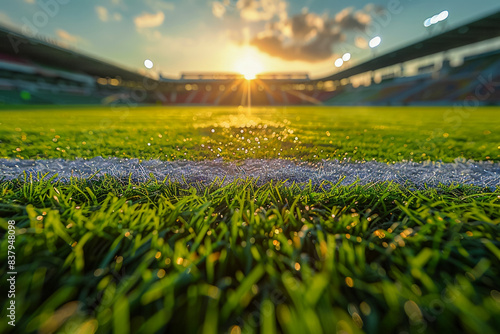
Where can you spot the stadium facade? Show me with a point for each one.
(38, 71)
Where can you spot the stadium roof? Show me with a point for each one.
(47, 52)
(477, 31)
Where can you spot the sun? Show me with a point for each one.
(250, 75)
(249, 66)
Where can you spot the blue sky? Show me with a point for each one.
(224, 35)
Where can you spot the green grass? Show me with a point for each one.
(388, 134)
(111, 255)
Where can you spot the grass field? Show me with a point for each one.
(384, 134)
(113, 255)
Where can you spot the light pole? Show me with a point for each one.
(373, 43)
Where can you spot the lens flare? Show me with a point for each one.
(148, 64)
(249, 64)
(374, 42)
(436, 18)
(249, 67)
(346, 56)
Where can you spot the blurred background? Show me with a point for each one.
(258, 52)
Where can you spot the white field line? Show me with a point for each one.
(484, 174)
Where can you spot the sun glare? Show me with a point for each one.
(250, 75)
(249, 66)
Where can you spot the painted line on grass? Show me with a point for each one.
(484, 174)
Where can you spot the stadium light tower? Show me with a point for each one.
(436, 18)
(430, 22)
(342, 60)
(374, 42)
(148, 63)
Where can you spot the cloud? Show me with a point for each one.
(147, 20)
(311, 37)
(317, 48)
(218, 9)
(305, 36)
(67, 37)
(304, 26)
(348, 19)
(261, 10)
(251, 10)
(361, 42)
(102, 13)
(30, 1)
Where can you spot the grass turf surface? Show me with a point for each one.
(112, 255)
(312, 133)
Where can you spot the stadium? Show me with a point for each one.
(250, 166)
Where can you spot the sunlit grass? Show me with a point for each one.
(387, 134)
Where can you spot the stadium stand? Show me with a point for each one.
(39, 71)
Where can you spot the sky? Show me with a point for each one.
(231, 35)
